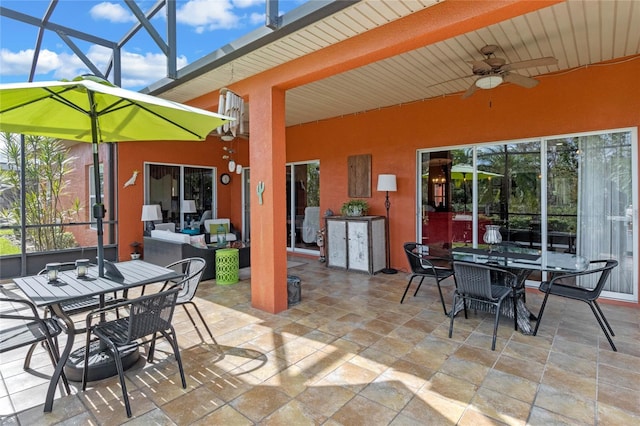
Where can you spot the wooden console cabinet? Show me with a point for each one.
(356, 243)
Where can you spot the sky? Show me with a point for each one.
(202, 27)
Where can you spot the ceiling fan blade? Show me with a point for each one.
(480, 66)
(532, 63)
(470, 91)
(520, 80)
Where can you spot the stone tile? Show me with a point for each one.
(501, 407)
(566, 404)
(326, 400)
(350, 375)
(451, 387)
(225, 415)
(564, 380)
(541, 417)
(429, 408)
(362, 411)
(465, 370)
(619, 397)
(513, 386)
(610, 415)
(622, 377)
(293, 413)
(529, 370)
(192, 406)
(486, 357)
(259, 402)
(392, 394)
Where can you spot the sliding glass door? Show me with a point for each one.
(171, 185)
(573, 193)
(303, 206)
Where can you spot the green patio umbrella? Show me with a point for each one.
(465, 171)
(90, 109)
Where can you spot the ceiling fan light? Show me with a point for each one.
(489, 81)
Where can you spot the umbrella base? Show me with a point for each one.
(101, 362)
(389, 271)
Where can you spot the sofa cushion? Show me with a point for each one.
(211, 228)
(171, 236)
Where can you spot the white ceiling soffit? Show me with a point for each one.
(358, 18)
(577, 33)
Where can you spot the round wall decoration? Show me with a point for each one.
(225, 178)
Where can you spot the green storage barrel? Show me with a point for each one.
(227, 266)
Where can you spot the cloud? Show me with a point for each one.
(257, 18)
(243, 4)
(138, 70)
(208, 15)
(111, 12)
(19, 63)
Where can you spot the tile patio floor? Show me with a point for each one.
(351, 354)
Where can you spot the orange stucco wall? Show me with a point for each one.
(595, 98)
(133, 155)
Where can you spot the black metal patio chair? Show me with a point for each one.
(192, 269)
(483, 285)
(22, 326)
(424, 266)
(148, 315)
(568, 285)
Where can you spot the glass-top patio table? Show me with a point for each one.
(522, 261)
(68, 286)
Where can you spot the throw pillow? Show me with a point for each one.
(213, 228)
(198, 241)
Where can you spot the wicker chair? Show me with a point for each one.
(148, 315)
(483, 285)
(425, 266)
(564, 286)
(22, 326)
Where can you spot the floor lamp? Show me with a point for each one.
(387, 183)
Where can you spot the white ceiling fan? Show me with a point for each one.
(492, 71)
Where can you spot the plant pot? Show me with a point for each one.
(135, 256)
(354, 211)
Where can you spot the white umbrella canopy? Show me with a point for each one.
(93, 110)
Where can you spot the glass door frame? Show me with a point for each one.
(420, 212)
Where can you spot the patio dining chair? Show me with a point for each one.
(192, 269)
(568, 285)
(483, 286)
(424, 266)
(148, 315)
(22, 326)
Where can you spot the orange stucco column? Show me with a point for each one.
(267, 157)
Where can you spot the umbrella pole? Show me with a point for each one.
(98, 209)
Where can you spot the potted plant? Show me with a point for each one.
(135, 254)
(354, 207)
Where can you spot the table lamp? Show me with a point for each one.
(150, 213)
(387, 183)
(188, 207)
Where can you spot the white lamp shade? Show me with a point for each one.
(151, 212)
(189, 206)
(387, 183)
(489, 81)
